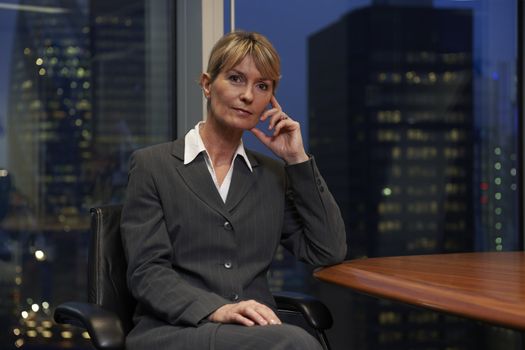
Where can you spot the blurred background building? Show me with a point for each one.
(78, 98)
(391, 123)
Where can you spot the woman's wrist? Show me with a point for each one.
(296, 159)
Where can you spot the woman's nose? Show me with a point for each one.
(247, 95)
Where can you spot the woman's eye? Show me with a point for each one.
(263, 86)
(235, 78)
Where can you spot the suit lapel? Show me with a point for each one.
(242, 181)
(198, 179)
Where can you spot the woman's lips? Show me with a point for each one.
(242, 111)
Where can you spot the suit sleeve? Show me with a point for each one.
(313, 229)
(151, 279)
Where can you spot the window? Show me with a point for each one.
(416, 95)
(82, 84)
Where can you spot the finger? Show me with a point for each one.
(274, 102)
(276, 119)
(268, 314)
(238, 318)
(264, 311)
(286, 124)
(265, 139)
(255, 316)
(268, 113)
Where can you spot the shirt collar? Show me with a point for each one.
(193, 145)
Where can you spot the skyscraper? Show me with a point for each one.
(50, 127)
(90, 82)
(132, 86)
(391, 121)
(49, 143)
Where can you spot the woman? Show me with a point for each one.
(203, 216)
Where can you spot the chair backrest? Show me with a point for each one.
(107, 285)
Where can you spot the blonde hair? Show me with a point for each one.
(233, 47)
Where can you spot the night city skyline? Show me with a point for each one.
(416, 139)
(393, 134)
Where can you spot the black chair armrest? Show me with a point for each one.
(103, 326)
(313, 310)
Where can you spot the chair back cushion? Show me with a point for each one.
(107, 285)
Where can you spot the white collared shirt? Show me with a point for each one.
(193, 145)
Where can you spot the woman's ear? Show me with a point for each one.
(205, 83)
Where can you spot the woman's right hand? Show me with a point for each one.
(248, 313)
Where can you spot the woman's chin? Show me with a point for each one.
(246, 124)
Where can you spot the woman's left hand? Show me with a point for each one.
(286, 141)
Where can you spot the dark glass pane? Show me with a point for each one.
(82, 84)
(410, 108)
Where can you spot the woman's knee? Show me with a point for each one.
(296, 338)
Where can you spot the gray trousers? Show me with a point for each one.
(273, 337)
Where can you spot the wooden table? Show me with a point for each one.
(484, 286)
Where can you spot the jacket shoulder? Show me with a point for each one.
(158, 150)
(264, 160)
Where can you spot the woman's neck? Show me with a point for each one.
(220, 142)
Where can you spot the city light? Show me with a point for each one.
(35, 307)
(3, 173)
(24, 314)
(47, 334)
(66, 334)
(40, 255)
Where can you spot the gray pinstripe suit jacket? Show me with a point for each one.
(189, 253)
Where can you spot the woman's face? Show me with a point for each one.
(238, 97)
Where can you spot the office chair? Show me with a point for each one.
(107, 316)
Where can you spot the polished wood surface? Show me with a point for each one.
(484, 286)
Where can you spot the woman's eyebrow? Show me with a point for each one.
(234, 70)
